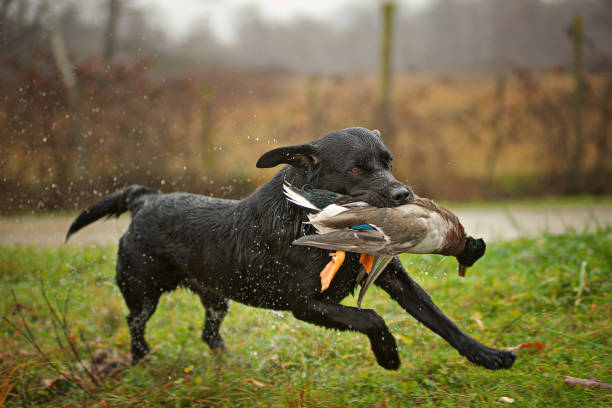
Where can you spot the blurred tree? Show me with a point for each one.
(497, 125)
(601, 137)
(313, 101)
(69, 80)
(110, 34)
(574, 168)
(4, 13)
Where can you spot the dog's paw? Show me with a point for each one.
(491, 358)
(386, 354)
(139, 351)
(392, 363)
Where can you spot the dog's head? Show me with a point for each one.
(352, 161)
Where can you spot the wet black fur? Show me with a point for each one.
(241, 250)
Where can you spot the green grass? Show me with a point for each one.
(536, 202)
(552, 289)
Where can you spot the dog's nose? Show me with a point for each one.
(402, 194)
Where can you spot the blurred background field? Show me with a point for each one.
(488, 99)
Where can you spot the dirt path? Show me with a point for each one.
(491, 223)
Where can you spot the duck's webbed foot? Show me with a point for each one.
(328, 273)
(367, 260)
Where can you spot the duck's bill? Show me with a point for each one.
(462, 270)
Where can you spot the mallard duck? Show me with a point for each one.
(344, 224)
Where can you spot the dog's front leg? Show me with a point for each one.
(335, 316)
(396, 282)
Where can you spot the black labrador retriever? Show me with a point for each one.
(241, 250)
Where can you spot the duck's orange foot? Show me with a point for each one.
(367, 260)
(328, 273)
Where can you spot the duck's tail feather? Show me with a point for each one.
(380, 263)
(366, 241)
(297, 198)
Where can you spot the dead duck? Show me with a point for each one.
(344, 224)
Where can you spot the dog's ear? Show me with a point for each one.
(301, 156)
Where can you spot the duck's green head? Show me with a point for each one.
(474, 249)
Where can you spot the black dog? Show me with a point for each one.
(241, 250)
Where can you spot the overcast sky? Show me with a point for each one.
(179, 15)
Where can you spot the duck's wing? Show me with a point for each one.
(380, 263)
(368, 241)
(401, 229)
(357, 215)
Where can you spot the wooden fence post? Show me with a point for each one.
(386, 123)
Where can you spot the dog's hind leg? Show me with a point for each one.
(396, 282)
(140, 313)
(141, 283)
(216, 308)
(334, 316)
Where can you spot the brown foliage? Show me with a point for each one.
(203, 132)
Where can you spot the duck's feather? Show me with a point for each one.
(380, 263)
(362, 227)
(328, 212)
(402, 231)
(317, 200)
(298, 199)
(364, 241)
(352, 217)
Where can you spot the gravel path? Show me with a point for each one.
(491, 223)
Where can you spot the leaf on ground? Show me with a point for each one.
(52, 382)
(536, 345)
(479, 323)
(257, 383)
(586, 382)
(106, 363)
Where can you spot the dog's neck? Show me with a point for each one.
(273, 208)
(273, 190)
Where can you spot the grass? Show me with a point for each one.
(551, 289)
(584, 200)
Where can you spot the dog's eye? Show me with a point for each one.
(355, 170)
(390, 164)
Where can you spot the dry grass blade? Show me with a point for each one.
(63, 324)
(586, 382)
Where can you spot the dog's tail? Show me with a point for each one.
(112, 205)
